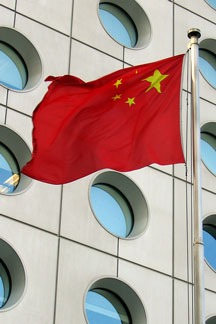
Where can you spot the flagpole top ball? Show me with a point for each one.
(194, 32)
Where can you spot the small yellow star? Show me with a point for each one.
(116, 97)
(130, 101)
(118, 82)
(155, 80)
(137, 72)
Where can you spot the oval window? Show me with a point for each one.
(9, 170)
(212, 3)
(112, 209)
(13, 72)
(207, 62)
(103, 307)
(5, 284)
(208, 150)
(209, 239)
(118, 24)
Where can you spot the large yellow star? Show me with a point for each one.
(116, 97)
(118, 82)
(155, 80)
(130, 101)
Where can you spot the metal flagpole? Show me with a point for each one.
(198, 247)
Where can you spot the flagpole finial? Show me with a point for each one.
(194, 32)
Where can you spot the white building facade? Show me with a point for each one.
(53, 248)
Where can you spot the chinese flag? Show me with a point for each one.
(123, 121)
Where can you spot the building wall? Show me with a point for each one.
(52, 228)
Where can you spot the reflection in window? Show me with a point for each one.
(207, 62)
(208, 150)
(9, 170)
(112, 209)
(5, 285)
(118, 24)
(212, 3)
(13, 72)
(209, 239)
(104, 307)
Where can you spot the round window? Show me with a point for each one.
(14, 154)
(21, 67)
(118, 24)
(5, 284)
(112, 301)
(12, 276)
(212, 3)
(9, 170)
(209, 239)
(208, 146)
(112, 209)
(211, 320)
(207, 62)
(126, 22)
(13, 72)
(118, 204)
(103, 306)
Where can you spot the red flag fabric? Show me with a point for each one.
(123, 121)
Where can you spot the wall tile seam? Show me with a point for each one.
(15, 110)
(105, 252)
(194, 13)
(201, 98)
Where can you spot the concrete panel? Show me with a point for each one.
(154, 248)
(7, 16)
(89, 64)
(38, 252)
(189, 20)
(182, 231)
(78, 222)
(182, 303)
(88, 28)
(160, 45)
(198, 6)
(3, 95)
(79, 266)
(2, 114)
(153, 288)
(57, 16)
(22, 124)
(8, 3)
(54, 51)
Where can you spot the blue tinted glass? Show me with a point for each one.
(112, 209)
(9, 171)
(103, 307)
(209, 245)
(13, 73)
(4, 285)
(118, 24)
(208, 154)
(207, 63)
(212, 3)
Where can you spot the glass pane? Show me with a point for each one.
(104, 307)
(13, 72)
(207, 62)
(209, 239)
(118, 24)
(9, 170)
(5, 286)
(212, 3)
(208, 151)
(112, 209)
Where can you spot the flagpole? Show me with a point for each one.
(198, 247)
